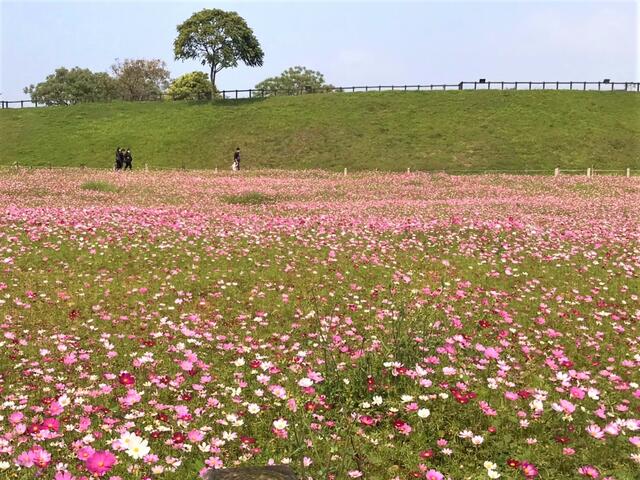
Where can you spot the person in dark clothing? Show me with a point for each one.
(128, 160)
(119, 159)
(236, 159)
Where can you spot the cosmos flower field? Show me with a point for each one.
(374, 326)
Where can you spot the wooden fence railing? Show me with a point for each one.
(248, 93)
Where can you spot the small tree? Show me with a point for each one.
(64, 87)
(294, 81)
(219, 39)
(141, 79)
(190, 86)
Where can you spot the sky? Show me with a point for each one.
(351, 43)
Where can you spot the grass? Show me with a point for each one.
(250, 198)
(389, 131)
(99, 186)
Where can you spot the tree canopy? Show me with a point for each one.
(218, 39)
(190, 86)
(295, 80)
(65, 87)
(140, 79)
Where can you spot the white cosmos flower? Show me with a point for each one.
(490, 465)
(424, 412)
(280, 424)
(137, 447)
(493, 474)
(253, 408)
(477, 440)
(305, 382)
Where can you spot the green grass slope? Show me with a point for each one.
(461, 130)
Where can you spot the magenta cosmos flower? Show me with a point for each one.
(100, 462)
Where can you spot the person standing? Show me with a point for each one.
(128, 160)
(236, 159)
(118, 158)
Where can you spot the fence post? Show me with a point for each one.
(628, 172)
(21, 103)
(224, 95)
(570, 85)
(236, 94)
(529, 85)
(556, 172)
(345, 171)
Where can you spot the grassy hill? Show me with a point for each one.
(461, 130)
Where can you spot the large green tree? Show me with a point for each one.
(219, 39)
(65, 87)
(140, 79)
(190, 86)
(295, 80)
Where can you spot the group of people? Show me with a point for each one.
(124, 159)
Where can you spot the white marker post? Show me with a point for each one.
(556, 172)
(408, 170)
(589, 172)
(628, 172)
(146, 167)
(345, 171)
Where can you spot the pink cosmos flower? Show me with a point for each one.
(366, 420)
(595, 431)
(403, 427)
(434, 475)
(195, 436)
(64, 476)
(84, 453)
(529, 470)
(100, 462)
(589, 471)
(16, 417)
(491, 353)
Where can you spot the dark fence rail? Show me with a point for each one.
(605, 86)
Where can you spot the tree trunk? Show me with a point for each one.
(212, 76)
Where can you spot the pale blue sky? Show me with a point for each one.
(358, 43)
